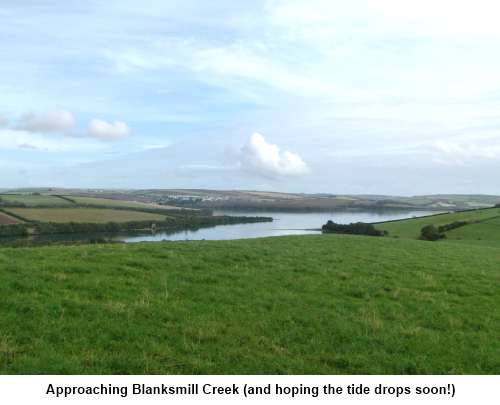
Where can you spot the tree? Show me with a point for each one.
(430, 232)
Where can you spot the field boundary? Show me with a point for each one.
(434, 215)
(7, 216)
(14, 215)
(65, 198)
(411, 219)
(479, 221)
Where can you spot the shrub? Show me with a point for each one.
(453, 225)
(430, 232)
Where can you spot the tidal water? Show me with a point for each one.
(284, 223)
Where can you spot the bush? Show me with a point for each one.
(358, 228)
(453, 225)
(430, 232)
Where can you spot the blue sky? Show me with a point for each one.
(380, 97)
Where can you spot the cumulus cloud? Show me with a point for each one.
(3, 121)
(56, 121)
(266, 159)
(108, 131)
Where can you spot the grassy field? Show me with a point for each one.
(32, 200)
(88, 215)
(107, 202)
(410, 228)
(485, 233)
(306, 304)
(7, 219)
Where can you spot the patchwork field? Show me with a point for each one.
(306, 304)
(410, 228)
(107, 202)
(87, 215)
(33, 200)
(7, 219)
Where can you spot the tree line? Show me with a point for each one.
(357, 228)
(45, 228)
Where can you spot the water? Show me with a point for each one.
(285, 223)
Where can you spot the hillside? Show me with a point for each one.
(480, 227)
(83, 215)
(308, 304)
(24, 217)
(267, 200)
(486, 233)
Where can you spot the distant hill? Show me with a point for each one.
(267, 200)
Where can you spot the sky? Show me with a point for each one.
(318, 96)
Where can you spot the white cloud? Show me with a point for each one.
(364, 52)
(153, 146)
(451, 152)
(447, 18)
(11, 140)
(238, 66)
(363, 87)
(428, 18)
(266, 159)
(131, 60)
(56, 121)
(3, 121)
(108, 131)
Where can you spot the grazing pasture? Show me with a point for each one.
(410, 228)
(322, 304)
(83, 215)
(107, 202)
(34, 200)
(485, 233)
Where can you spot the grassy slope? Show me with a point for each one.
(308, 304)
(410, 228)
(107, 202)
(83, 215)
(485, 233)
(35, 199)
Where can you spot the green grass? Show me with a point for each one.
(33, 200)
(107, 202)
(84, 215)
(410, 228)
(485, 233)
(303, 304)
